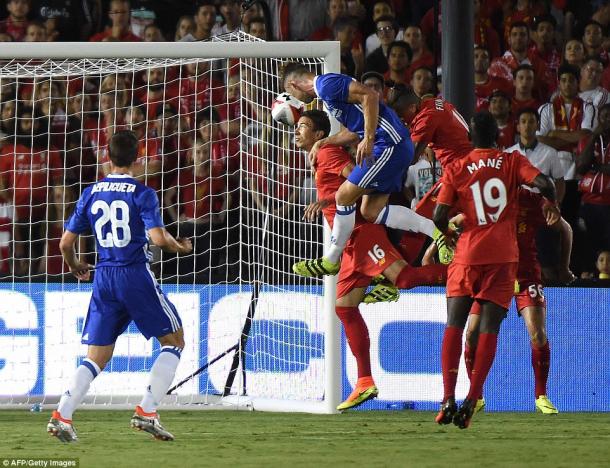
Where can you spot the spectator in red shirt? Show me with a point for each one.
(484, 84)
(593, 165)
(421, 55)
(519, 54)
(336, 8)
(523, 11)
(147, 167)
(120, 19)
(198, 204)
(399, 59)
(184, 27)
(524, 89)
(199, 89)
(27, 171)
(157, 90)
(544, 45)
(16, 23)
(223, 150)
(499, 108)
(484, 34)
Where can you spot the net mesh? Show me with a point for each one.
(226, 176)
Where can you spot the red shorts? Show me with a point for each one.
(411, 243)
(531, 294)
(491, 282)
(367, 254)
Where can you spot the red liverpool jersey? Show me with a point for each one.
(441, 125)
(485, 186)
(529, 219)
(330, 162)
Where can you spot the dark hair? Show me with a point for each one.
(604, 107)
(204, 3)
(480, 47)
(320, 120)
(388, 19)
(372, 74)
(567, 68)
(520, 24)
(592, 22)
(292, 69)
(123, 148)
(404, 97)
(528, 110)
(208, 114)
(523, 66)
(595, 58)
(342, 22)
(483, 130)
(403, 45)
(538, 20)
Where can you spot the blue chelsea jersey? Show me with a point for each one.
(119, 211)
(333, 89)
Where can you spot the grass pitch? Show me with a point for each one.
(367, 438)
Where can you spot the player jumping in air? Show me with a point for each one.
(529, 295)
(384, 152)
(485, 185)
(432, 122)
(367, 254)
(124, 214)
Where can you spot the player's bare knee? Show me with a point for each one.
(173, 339)
(369, 213)
(538, 338)
(472, 337)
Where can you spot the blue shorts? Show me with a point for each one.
(387, 173)
(123, 294)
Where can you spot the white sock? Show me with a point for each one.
(401, 217)
(161, 377)
(72, 397)
(343, 225)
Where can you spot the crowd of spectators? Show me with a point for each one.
(545, 62)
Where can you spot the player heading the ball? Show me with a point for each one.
(123, 214)
(384, 152)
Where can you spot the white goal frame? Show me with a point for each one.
(329, 51)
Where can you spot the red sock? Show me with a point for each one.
(409, 276)
(541, 361)
(484, 358)
(451, 352)
(357, 335)
(469, 359)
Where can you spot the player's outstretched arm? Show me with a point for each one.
(80, 269)
(165, 241)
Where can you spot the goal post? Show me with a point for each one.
(245, 219)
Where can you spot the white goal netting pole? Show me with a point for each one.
(276, 368)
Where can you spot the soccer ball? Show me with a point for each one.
(286, 109)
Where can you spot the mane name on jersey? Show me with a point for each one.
(496, 163)
(113, 187)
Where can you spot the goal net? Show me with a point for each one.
(226, 176)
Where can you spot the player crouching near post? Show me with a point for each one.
(124, 214)
(368, 252)
(485, 185)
